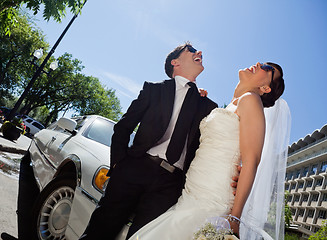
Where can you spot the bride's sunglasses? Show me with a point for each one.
(268, 68)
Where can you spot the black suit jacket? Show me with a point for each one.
(152, 110)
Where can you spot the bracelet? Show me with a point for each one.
(232, 218)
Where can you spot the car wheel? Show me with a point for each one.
(52, 209)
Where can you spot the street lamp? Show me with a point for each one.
(38, 53)
(54, 65)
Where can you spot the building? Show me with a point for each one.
(306, 180)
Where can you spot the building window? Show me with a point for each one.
(301, 184)
(289, 175)
(293, 210)
(297, 198)
(323, 166)
(305, 197)
(293, 186)
(319, 182)
(322, 214)
(309, 183)
(305, 171)
(301, 212)
(314, 169)
(289, 198)
(287, 186)
(311, 213)
(315, 197)
(324, 197)
(297, 174)
(306, 227)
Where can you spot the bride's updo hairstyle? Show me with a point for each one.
(277, 86)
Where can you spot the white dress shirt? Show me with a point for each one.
(161, 147)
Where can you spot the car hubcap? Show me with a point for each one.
(54, 215)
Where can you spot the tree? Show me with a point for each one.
(321, 234)
(288, 213)
(64, 89)
(52, 9)
(68, 89)
(15, 55)
(99, 100)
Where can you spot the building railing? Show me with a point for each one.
(307, 146)
(315, 154)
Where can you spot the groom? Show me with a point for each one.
(148, 177)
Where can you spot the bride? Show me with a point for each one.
(230, 136)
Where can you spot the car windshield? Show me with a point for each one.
(100, 131)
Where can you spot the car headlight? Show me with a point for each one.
(100, 179)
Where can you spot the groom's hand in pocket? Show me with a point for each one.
(235, 179)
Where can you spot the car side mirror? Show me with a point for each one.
(67, 124)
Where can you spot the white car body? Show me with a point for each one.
(53, 149)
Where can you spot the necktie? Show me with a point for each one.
(183, 124)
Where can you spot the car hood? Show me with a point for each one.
(100, 151)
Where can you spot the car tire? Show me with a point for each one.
(52, 209)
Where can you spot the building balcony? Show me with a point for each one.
(308, 189)
(324, 204)
(301, 190)
(293, 190)
(314, 204)
(296, 204)
(319, 221)
(300, 219)
(309, 220)
(318, 188)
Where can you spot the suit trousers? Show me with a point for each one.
(137, 186)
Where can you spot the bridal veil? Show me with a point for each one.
(263, 213)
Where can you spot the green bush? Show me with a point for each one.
(321, 234)
(291, 237)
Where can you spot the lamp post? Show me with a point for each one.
(39, 69)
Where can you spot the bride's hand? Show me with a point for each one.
(234, 223)
(203, 93)
(235, 179)
(235, 226)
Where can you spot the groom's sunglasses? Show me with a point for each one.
(268, 68)
(189, 48)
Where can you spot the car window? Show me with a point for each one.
(101, 131)
(29, 120)
(38, 125)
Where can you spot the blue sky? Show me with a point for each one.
(125, 42)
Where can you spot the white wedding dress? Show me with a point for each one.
(207, 192)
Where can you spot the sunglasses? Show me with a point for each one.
(268, 68)
(189, 48)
